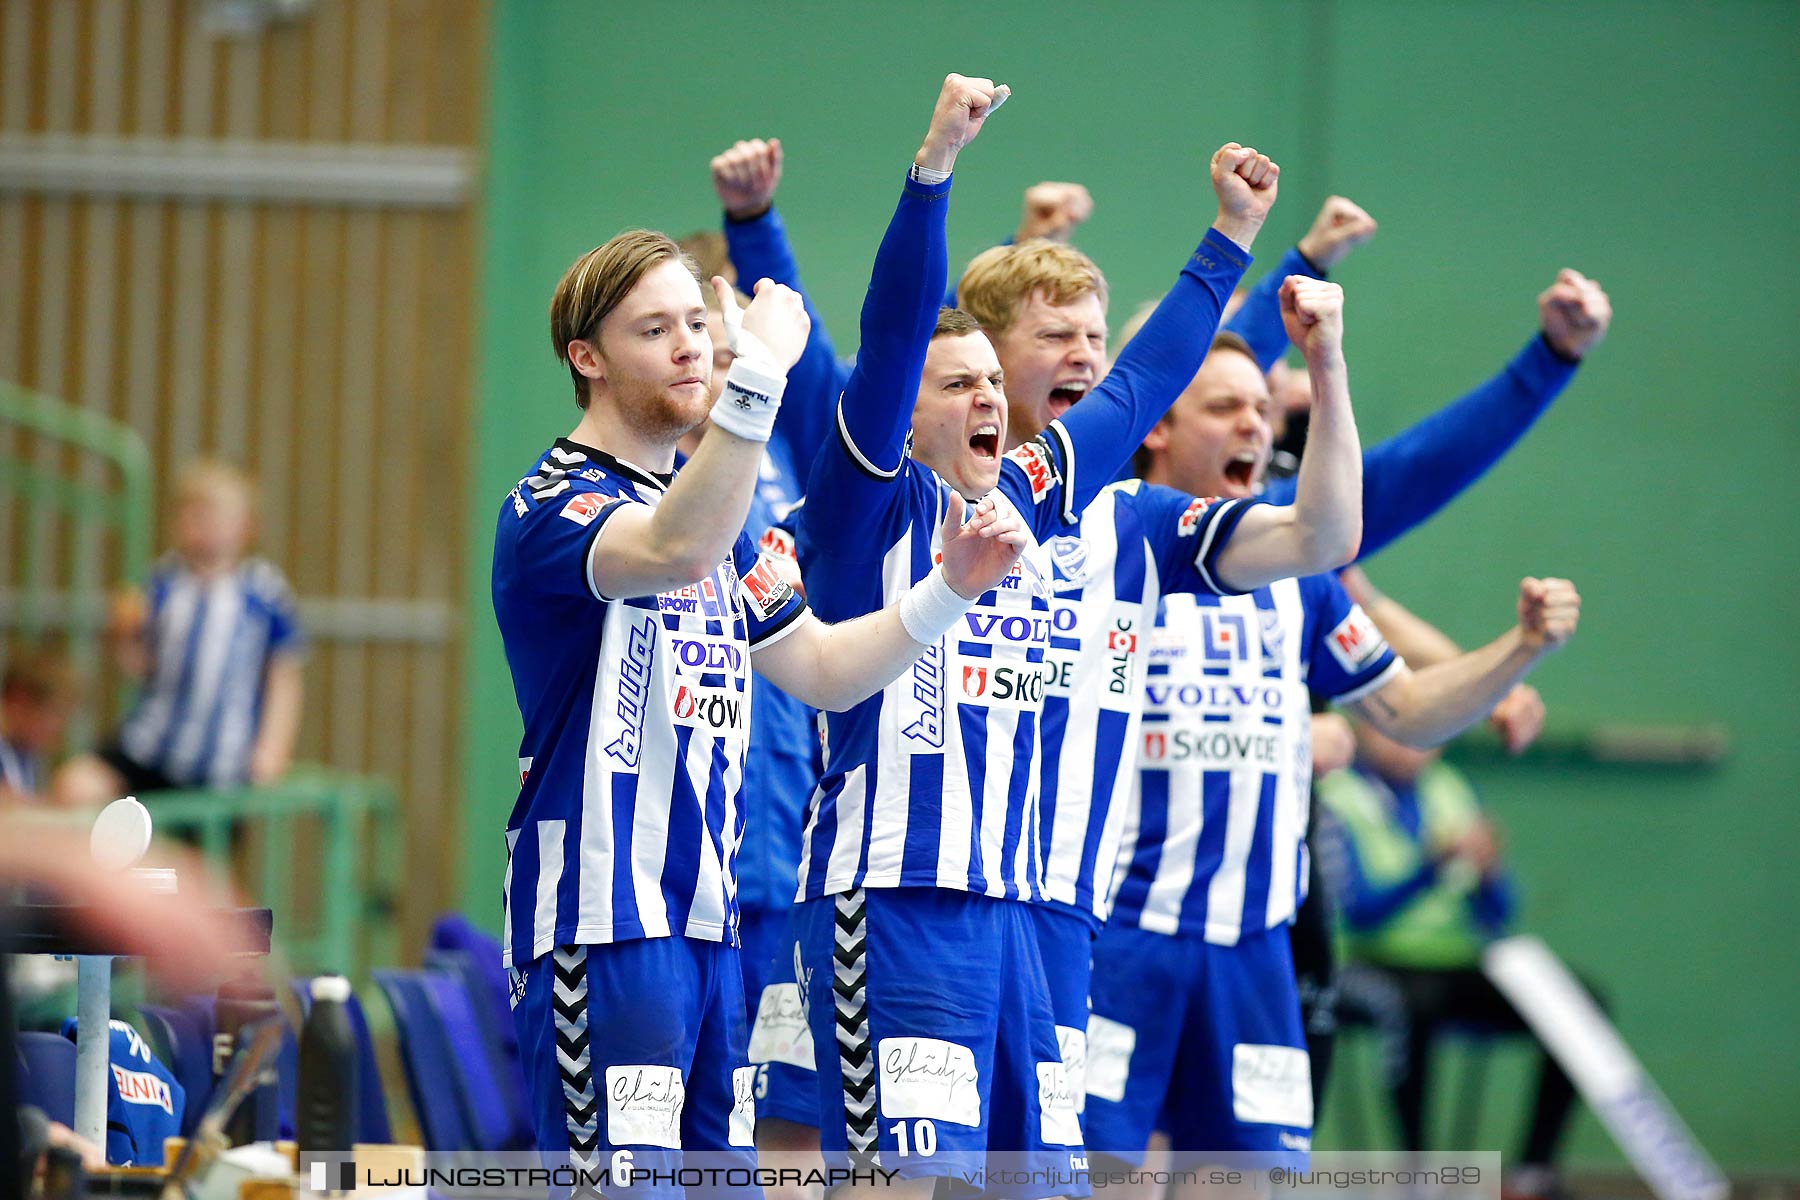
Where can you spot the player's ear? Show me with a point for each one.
(584, 356)
(1157, 440)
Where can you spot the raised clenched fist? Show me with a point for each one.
(1312, 310)
(745, 177)
(772, 330)
(1053, 210)
(1340, 227)
(1245, 183)
(1548, 611)
(1575, 312)
(963, 107)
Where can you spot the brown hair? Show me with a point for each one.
(710, 254)
(954, 322)
(39, 676)
(999, 281)
(597, 282)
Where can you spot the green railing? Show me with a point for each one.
(63, 581)
(320, 851)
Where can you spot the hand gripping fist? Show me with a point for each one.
(1340, 227)
(770, 333)
(745, 177)
(1548, 612)
(1575, 313)
(977, 556)
(1333, 744)
(1245, 183)
(1053, 210)
(1518, 718)
(963, 106)
(1312, 310)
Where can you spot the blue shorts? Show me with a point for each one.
(938, 1019)
(637, 1046)
(781, 1043)
(1199, 1040)
(1066, 943)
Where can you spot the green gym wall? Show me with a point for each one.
(1651, 145)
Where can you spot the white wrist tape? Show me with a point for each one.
(743, 342)
(931, 608)
(751, 398)
(929, 176)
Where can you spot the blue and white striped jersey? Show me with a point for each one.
(1134, 543)
(636, 716)
(1214, 839)
(20, 770)
(211, 639)
(933, 782)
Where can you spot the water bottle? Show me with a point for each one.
(243, 1002)
(325, 1113)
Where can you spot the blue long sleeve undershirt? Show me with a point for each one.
(759, 249)
(1150, 373)
(1258, 318)
(898, 315)
(1412, 476)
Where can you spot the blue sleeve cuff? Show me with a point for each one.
(1216, 252)
(1542, 361)
(927, 191)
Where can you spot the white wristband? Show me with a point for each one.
(931, 607)
(929, 176)
(751, 398)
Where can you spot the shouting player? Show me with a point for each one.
(916, 956)
(1196, 1021)
(633, 608)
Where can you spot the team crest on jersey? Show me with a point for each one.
(1039, 465)
(1355, 642)
(1271, 637)
(1189, 521)
(1068, 556)
(584, 508)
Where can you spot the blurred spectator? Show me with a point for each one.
(38, 692)
(216, 640)
(1416, 869)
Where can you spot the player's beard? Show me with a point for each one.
(662, 412)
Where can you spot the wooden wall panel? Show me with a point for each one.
(283, 334)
